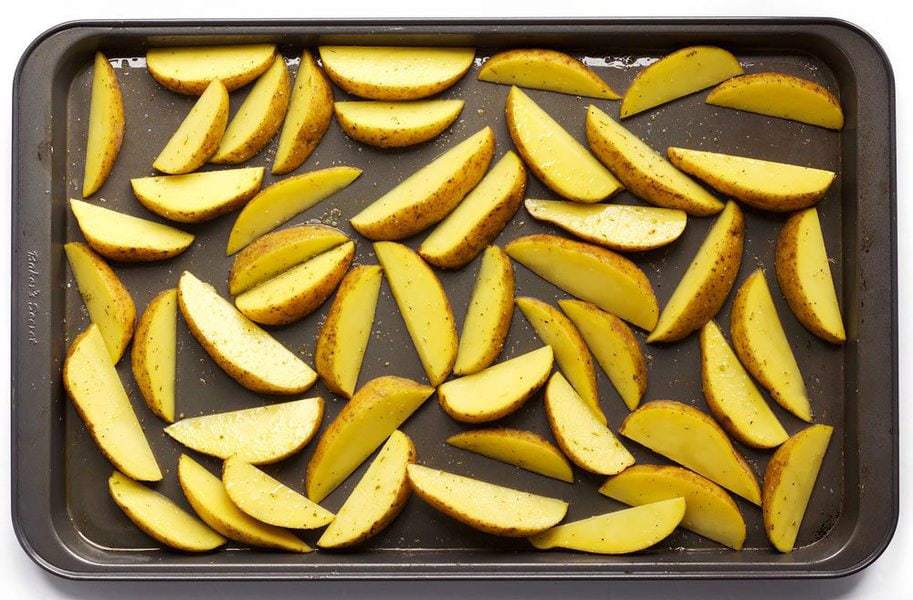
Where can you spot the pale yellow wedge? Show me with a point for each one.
(396, 124)
(523, 449)
(543, 69)
(198, 136)
(154, 354)
(189, 70)
(309, 114)
(106, 126)
(197, 197)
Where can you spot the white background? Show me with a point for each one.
(885, 19)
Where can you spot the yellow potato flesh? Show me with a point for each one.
(397, 124)
(189, 70)
(515, 447)
(197, 197)
(310, 111)
(197, 137)
(154, 354)
(545, 70)
(100, 399)
(106, 126)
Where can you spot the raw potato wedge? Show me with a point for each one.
(620, 532)
(763, 184)
(107, 299)
(618, 227)
(106, 126)
(269, 500)
(614, 346)
(780, 95)
(644, 172)
(208, 498)
(154, 354)
(281, 201)
(488, 315)
(497, 391)
(689, 437)
(126, 238)
(299, 291)
(789, 483)
(259, 117)
(424, 307)
(732, 396)
(344, 336)
(485, 506)
(761, 344)
(260, 435)
(198, 136)
(549, 70)
(248, 354)
(309, 114)
(379, 497)
(101, 401)
(608, 280)
(556, 158)
(678, 74)
(197, 197)
(370, 417)
(523, 449)
(395, 73)
(479, 218)
(704, 287)
(160, 518)
(190, 70)
(709, 510)
(429, 194)
(396, 124)
(804, 274)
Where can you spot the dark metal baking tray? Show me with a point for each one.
(61, 510)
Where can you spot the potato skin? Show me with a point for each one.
(138, 355)
(117, 128)
(316, 122)
(545, 56)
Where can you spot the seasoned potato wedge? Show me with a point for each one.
(497, 391)
(154, 354)
(556, 158)
(106, 126)
(309, 114)
(191, 69)
(703, 288)
(100, 399)
(395, 73)
(485, 506)
(543, 69)
(523, 449)
(197, 137)
(197, 197)
(396, 124)
(429, 194)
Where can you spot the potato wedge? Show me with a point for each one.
(309, 114)
(126, 238)
(614, 346)
(709, 510)
(197, 137)
(106, 126)
(608, 280)
(678, 74)
(523, 449)
(154, 354)
(429, 194)
(424, 307)
(485, 506)
(269, 500)
(107, 299)
(556, 158)
(208, 498)
(260, 435)
(732, 396)
(160, 518)
(344, 336)
(396, 124)
(190, 70)
(804, 274)
(780, 95)
(248, 354)
(259, 117)
(101, 401)
(281, 201)
(789, 483)
(644, 172)
(759, 183)
(395, 73)
(377, 499)
(542, 69)
(703, 288)
(689, 437)
(620, 532)
(479, 218)
(761, 344)
(497, 391)
(197, 197)
(299, 291)
(616, 226)
(488, 315)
